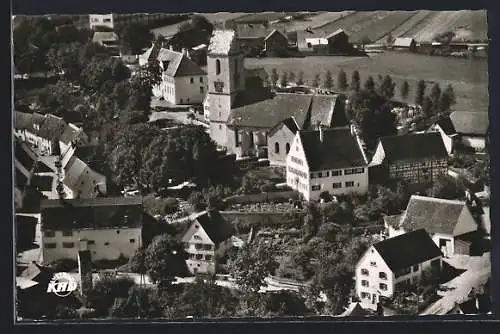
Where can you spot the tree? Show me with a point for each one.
(447, 99)
(105, 291)
(99, 72)
(64, 59)
(387, 87)
(134, 37)
(300, 79)
(342, 80)
(419, 96)
(274, 77)
(404, 91)
(435, 97)
(164, 259)
(139, 302)
(427, 107)
(315, 82)
(252, 264)
(328, 83)
(291, 77)
(447, 187)
(355, 81)
(369, 84)
(284, 79)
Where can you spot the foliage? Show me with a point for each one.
(328, 82)
(280, 303)
(139, 302)
(385, 201)
(291, 76)
(342, 80)
(193, 33)
(419, 95)
(197, 201)
(315, 82)
(103, 294)
(64, 265)
(435, 97)
(369, 84)
(252, 264)
(427, 107)
(171, 206)
(447, 99)
(99, 73)
(300, 79)
(284, 79)
(274, 77)
(134, 37)
(355, 81)
(386, 88)
(405, 89)
(164, 259)
(65, 59)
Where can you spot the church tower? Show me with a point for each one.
(226, 79)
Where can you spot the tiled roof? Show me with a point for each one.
(178, 64)
(214, 225)
(470, 123)
(335, 33)
(322, 109)
(70, 133)
(412, 147)
(25, 155)
(339, 149)
(52, 128)
(404, 42)
(151, 53)
(101, 36)
(434, 214)
(222, 42)
(81, 179)
(393, 220)
(102, 212)
(276, 31)
(407, 249)
(289, 123)
(446, 125)
(252, 30)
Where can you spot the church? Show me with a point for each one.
(242, 110)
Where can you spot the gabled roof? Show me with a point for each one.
(413, 147)
(252, 30)
(70, 133)
(446, 125)
(470, 123)
(335, 33)
(151, 53)
(407, 249)
(322, 109)
(101, 212)
(290, 123)
(214, 225)
(81, 179)
(104, 36)
(434, 214)
(339, 149)
(52, 128)
(178, 64)
(276, 31)
(404, 42)
(222, 42)
(25, 155)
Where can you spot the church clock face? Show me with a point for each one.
(218, 85)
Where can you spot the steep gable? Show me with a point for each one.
(414, 147)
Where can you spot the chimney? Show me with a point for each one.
(320, 133)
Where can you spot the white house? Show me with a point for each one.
(101, 20)
(207, 237)
(327, 160)
(393, 264)
(109, 227)
(446, 221)
(183, 81)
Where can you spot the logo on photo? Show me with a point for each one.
(62, 284)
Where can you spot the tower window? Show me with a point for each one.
(277, 148)
(287, 148)
(217, 67)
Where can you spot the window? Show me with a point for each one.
(207, 247)
(383, 286)
(107, 20)
(132, 241)
(90, 242)
(365, 272)
(201, 79)
(336, 172)
(373, 263)
(67, 233)
(313, 175)
(217, 67)
(51, 245)
(191, 80)
(365, 283)
(198, 246)
(382, 275)
(309, 45)
(351, 171)
(349, 184)
(49, 234)
(287, 148)
(117, 231)
(327, 174)
(337, 185)
(316, 188)
(276, 148)
(106, 243)
(208, 257)
(320, 174)
(68, 244)
(199, 257)
(403, 272)
(415, 267)
(202, 90)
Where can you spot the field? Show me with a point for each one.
(314, 21)
(469, 77)
(223, 16)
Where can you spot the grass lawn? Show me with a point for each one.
(469, 77)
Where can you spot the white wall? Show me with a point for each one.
(118, 239)
(477, 143)
(105, 20)
(379, 155)
(189, 93)
(298, 182)
(326, 183)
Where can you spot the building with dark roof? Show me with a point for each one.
(81, 181)
(418, 159)
(446, 221)
(109, 227)
(209, 234)
(391, 265)
(327, 160)
(276, 44)
(25, 163)
(472, 127)
(280, 138)
(447, 131)
(183, 80)
(321, 41)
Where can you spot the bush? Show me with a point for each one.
(171, 205)
(268, 187)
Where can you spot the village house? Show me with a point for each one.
(207, 239)
(323, 42)
(327, 160)
(472, 128)
(418, 159)
(450, 223)
(183, 81)
(276, 44)
(404, 44)
(101, 20)
(255, 38)
(25, 161)
(394, 264)
(107, 39)
(109, 227)
(447, 131)
(280, 137)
